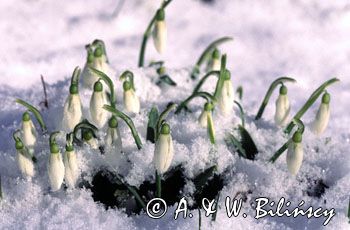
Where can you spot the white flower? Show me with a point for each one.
(295, 153)
(28, 131)
(226, 97)
(282, 107)
(131, 101)
(72, 110)
(24, 160)
(71, 167)
(99, 115)
(113, 138)
(55, 168)
(160, 32)
(320, 123)
(164, 150)
(90, 139)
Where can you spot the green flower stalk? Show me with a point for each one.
(210, 124)
(70, 163)
(320, 123)
(56, 167)
(282, 107)
(72, 109)
(24, 157)
(99, 116)
(159, 32)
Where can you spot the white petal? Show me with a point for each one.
(56, 171)
(131, 101)
(29, 134)
(93, 143)
(160, 36)
(321, 121)
(216, 65)
(113, 139)
(25, 164)
(294, 157)
(99, 116)
(282, 110)
(71, 168)
(203, 119)
(163, 153)
(226, 98)
(72, 112)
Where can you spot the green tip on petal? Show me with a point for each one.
(25, 116)
(208, 106)
(227, 75)
(19, 145)
(216, 54)
(326, 98)
(283, 90)
(54, 148)
(113, 122)
(297, 137)
(98, 87)
(126, 85)
(160, 15)
(87, 135)
(73, 89)
(98, 52)
(165, 129)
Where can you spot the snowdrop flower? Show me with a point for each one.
(28, 131)
(56, 166)
(160, 31)
(24, 159)
(113, 138)
(282, 107)
(89, 138)
(70, 165)
(100, 62)
(72, 110)
(164, 150)
(98, 99)
(131, 101)
(89, 78)
(295, 153)
(206, 115)
(226, 97)
(322, 117)
(215, 63)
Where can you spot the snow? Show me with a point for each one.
(306, 40)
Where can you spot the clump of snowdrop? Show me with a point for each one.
(160, 31)
(99, 116)
(24, 157)
(226, 95)
(70, 163)
(28, 131)
(282, 107)
(295, 153)
(55, 167)
(72, 109)
(320, 123)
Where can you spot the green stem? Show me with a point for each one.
(210, 128)
(310, 102)
(204, 95)
(36, 113)
(159, 185)
(205, 54)
(221, 79)
(128, 76)
(133, 191)
(269, 92)
(199, 218)
(204, 78)
(349, 211)
(128, 121)
(75, 76)
(147, 33)
(241, 112)
(108, 81)
(162, 117)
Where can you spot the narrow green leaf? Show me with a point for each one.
(204, 78)
(201, 179)
(232, 140)
(279, 152)
(269, 92)
(241, 112)
(221, 80)
(108, 81)
(167, 80)
(247, 143)
(36, 113)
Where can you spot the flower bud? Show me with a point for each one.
(164, 150)
(28, 131)
(320, 123)
(131, 100)
(55, 168)
(282, 107)
(71, 167)
(99, 115)
(72, 110)
(295, 153)
(226, 97)
(24, 160)
(160, 31)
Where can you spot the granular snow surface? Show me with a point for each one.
(306, 40)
